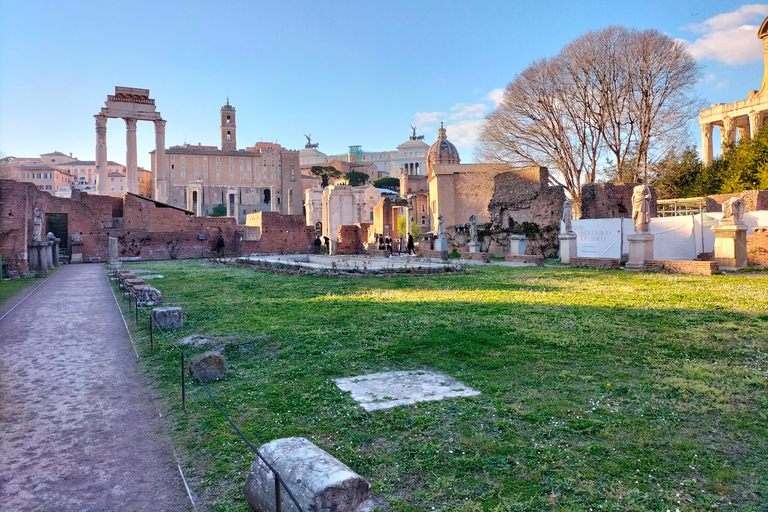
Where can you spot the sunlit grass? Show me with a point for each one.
(600, 389)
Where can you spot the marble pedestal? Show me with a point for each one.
(567, 246)
(474, 246)
(640, 249)
(39, 256)
(517, 245)
(441, 244)
(731, 245)
(75, 252)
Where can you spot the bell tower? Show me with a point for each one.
(228, 128)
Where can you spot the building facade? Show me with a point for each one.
(263, 178)
(410, 155)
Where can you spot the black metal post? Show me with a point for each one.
(151, 336)
(137, 309)
(183, 395)
(278, 498)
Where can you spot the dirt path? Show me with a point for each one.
(77, 429)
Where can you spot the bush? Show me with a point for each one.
(219, 211)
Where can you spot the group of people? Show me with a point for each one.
(386, 244)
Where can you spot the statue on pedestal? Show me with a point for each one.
(440, 227)
(37, 230)
(568, 216)
(733, 209)
(473, 228)
(641, 209)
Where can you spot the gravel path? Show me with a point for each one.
(78, 431)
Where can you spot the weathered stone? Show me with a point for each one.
(148, 296)
(194, 340)
(319, 481)
(133, 284)
(611, 201)
(209, 366)
(13, 274)
(168, 318)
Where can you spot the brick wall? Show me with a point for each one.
(280, 234)
(757, 250)
(610, 201)
(536, 259)
(604, 263)
(753, 200)
(706, 268)
(349, 241)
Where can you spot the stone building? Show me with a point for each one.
(263, 178)
(410, 155)
(743, 118)
(83, 173)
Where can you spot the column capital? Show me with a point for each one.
(160, 124)
(130, 123)
(101, 121)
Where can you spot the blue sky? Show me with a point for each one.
(354, 72)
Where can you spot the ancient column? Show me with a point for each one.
(707, 151)
(727, 133)
(755, 123)
(102, 173)
(131, 178)
(743, 132)
(159, 177)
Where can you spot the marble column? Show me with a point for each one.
(727, 133)
(131, 178)
(707, 151)
(743, 132)
(102, 172)
(755, 123)
(159, 177)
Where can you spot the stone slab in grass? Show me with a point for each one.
(390, 389)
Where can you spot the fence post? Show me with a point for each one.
(278, 498)
(136, 299)
(183, 396)
(151, 336)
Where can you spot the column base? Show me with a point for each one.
(474, 247)
(568, 247)
(731, 246)
(517, 245)
(640, 249)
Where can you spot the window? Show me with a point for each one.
(182, 173)
(205, 175)
(112, 180)
(205, 159)
(182, 158)
(217, 160)
(171, 158)
(218, 175)
(231, 176)
(231, 167)
(241, 160)
(241, 175)
(249, 168)
(173, 166)
(249, 176)
(195, 159)
(173, 174)
(196, 175)
(241, 167)
(231, 160)
(423, 219)
(423, 208)
(218, 167)
(205, 167)
(112, 188)
(121, 188)
(182, 168)
(195, 167)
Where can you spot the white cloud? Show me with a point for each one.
(462, 111)
(465, 133)
(426, 119)
(711, 77)
(728, 37)
(495, 96)
(721, 85)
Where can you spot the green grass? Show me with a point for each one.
(601, 390)
(11, 288)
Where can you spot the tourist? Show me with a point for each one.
(318, 245)
(411, 247)
(401, 246)
(327, 248)
(388, 243)
(381, 242)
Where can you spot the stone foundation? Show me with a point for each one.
(704, 268)
(536, 259)
(477, 256)
(602, 263)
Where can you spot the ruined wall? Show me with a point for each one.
(753, 200)
(349, 241)
(610, 201)
(757, 250)
(522, 203)
(280, 234)
(143, 228)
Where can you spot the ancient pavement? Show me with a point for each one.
(78, 431)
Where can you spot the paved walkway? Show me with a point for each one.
(78, 431)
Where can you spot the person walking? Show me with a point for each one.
(411, 246)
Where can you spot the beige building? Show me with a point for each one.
(263, 178)
(743, 118)
(83, 173)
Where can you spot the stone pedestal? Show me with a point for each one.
(441, 244)
(113, 250)
(332, 247)
(567, 246)
(731, 245)
(39, 256)
(474, 246)
(517, 245)
(640, 249)
(76, 252)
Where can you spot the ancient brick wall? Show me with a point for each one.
(280, 234)
(753, 200)
(522, 203)
(706, 268)
(603, 263)
(349, 241)
(757, 250)
(610, 201)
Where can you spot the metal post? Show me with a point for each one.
(183, 395)
(137, 310)
(151, 336)
(278, 498)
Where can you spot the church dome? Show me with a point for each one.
(442, 151)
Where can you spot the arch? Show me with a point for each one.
(762, 33)
(267, 196)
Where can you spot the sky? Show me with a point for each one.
(346, 73)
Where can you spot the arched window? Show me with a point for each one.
(229, 136)
(267, 196)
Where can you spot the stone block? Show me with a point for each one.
(517, 245)
(133, 284)
(731, 246)
(319, 481)
(148, 296)
(168, 318)
(568, 247)
(536, 259)
(478, 256)
(640, 249)
(209, 366)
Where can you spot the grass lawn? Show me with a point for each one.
(601, 390)
(11, 288)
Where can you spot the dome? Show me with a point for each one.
(442, 151)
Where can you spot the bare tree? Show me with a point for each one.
(7, 170)
(615, 92)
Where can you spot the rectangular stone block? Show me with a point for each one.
(168, 318)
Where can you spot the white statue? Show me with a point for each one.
(440, 228)
(37, 229)
(473, 227)
(568, 216)
(733, 209)
(641, 209)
